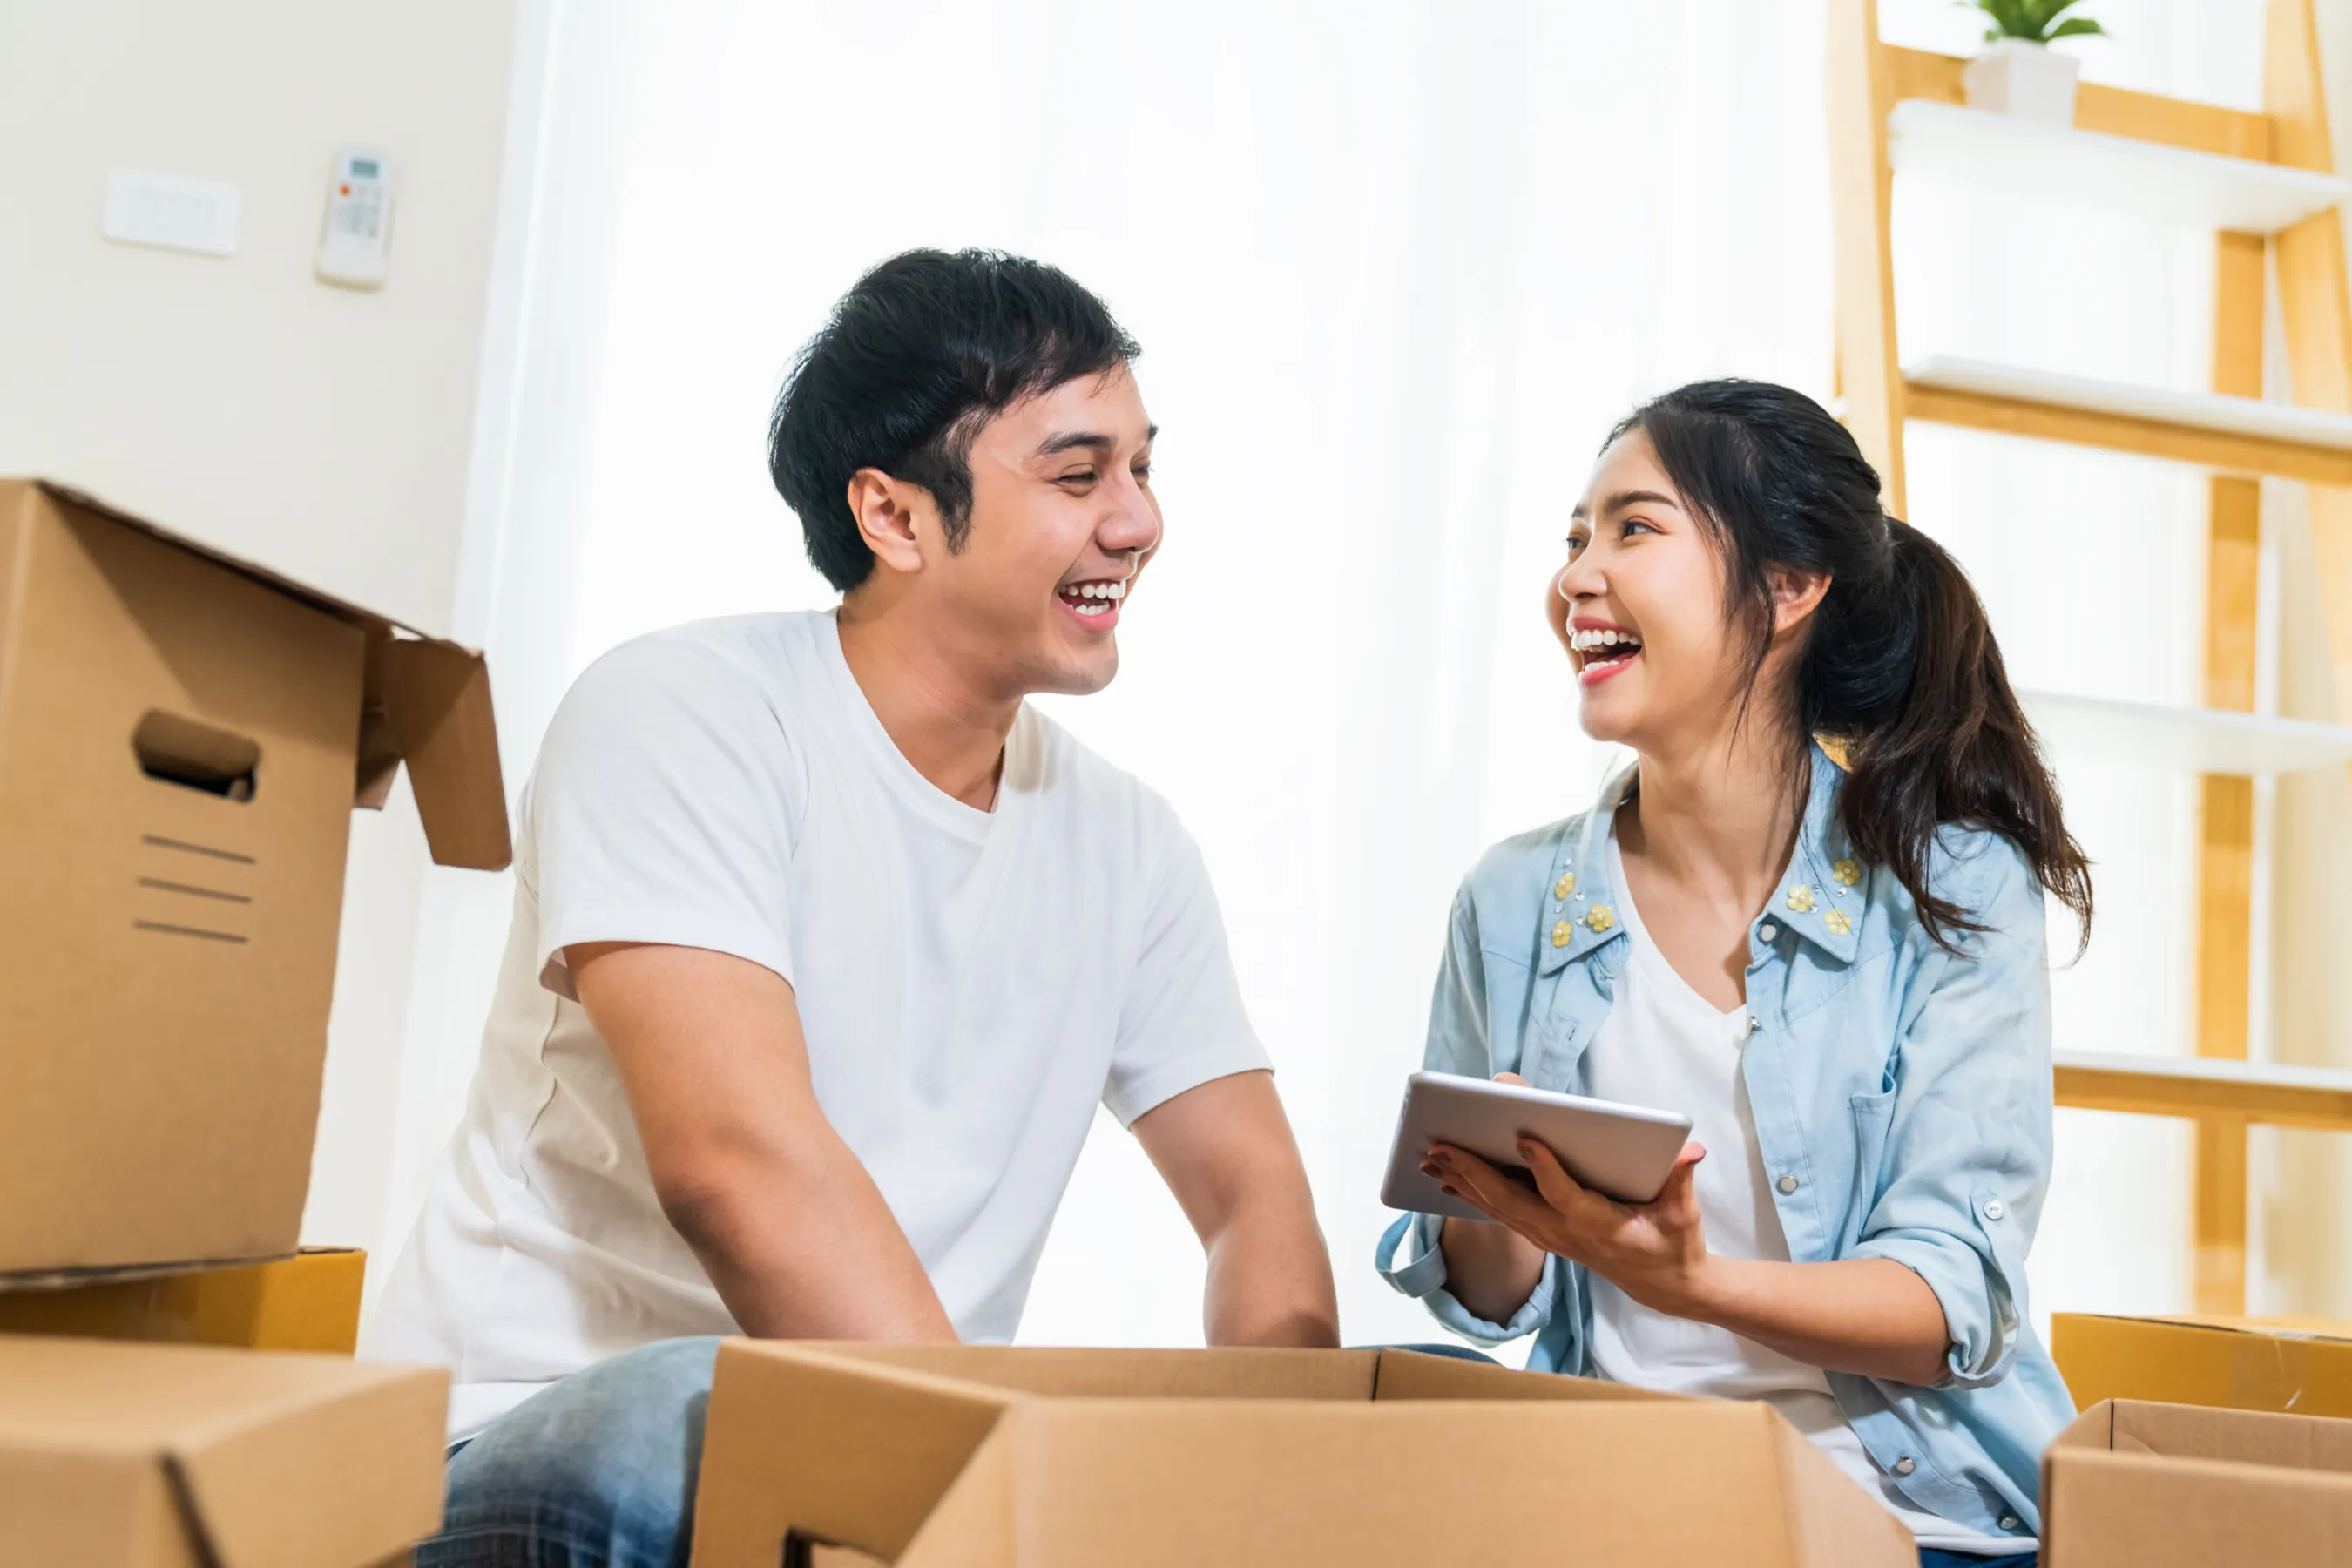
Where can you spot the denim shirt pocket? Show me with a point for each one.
(1874, 1114)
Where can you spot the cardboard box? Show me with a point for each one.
(115, 1456)
(2138, 1485)
(307, 1302)
(2297, 1365)
(182, 736)
(990, 1458)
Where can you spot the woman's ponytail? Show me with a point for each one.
(1956, 748)
(1900, 664)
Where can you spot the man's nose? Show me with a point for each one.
(1133, 524)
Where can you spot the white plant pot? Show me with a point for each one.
(2027, 81)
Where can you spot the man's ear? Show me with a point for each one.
(1795, 596)
(890, 513)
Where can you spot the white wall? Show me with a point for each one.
(324, 432)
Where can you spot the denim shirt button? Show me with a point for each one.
(1768, 931)
(1788, 1184)
(1906, 1465)
(1994, 1208)
(2009, 1521)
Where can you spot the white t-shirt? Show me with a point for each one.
(971, 985)
(1665, 1044)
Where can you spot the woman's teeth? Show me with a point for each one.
(1604, 643)
(1092, 599)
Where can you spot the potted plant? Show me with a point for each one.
(2020, 74)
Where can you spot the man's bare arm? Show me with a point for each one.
(1225, 1149)
(787, 1223)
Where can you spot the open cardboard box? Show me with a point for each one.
(183, 737)
(127, 1456)
(2138, 1485)
(973, 1456)
(2297, 1365)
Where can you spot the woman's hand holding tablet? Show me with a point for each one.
(1625, 1152)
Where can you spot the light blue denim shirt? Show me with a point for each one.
(1902, 1097)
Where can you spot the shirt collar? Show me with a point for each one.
(1820, 897)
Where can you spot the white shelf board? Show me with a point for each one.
(2184, 740)
(1951, 145)
(2211, 411)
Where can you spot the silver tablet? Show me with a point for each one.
(1625, 1150)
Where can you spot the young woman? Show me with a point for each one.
(1811, 917)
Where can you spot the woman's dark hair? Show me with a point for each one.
(1899, 664)
(916, 358)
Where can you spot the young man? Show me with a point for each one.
(826, 946)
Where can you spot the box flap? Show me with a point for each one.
(437, 699)
(2239, 1436)
(2130, 1510)
(275, 1460)
(428, 701)
(837, 1449)
(1307, 1484)
(1079, 1373)
(1413, 1374)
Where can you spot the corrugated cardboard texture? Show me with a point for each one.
(172, 951)
(2299, 1366)
(419, 704)
(1173, 1484)
(117, 1455)
(308, 1302)
(180, 744)
(972, 1458)
(2136, 1485)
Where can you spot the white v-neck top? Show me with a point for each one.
(972, 984)
(1664, 1045)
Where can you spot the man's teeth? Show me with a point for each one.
(1594, 639)
(1092, 599)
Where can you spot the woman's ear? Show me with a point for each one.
(1795, 596)
(886, 509)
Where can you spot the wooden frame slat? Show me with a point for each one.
(2193, 1088)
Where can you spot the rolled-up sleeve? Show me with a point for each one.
(1408, 1257)
(1411, 1260)
(1968, 1152)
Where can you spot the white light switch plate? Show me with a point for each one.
(166, 211)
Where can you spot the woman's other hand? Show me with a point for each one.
(1654, 1252)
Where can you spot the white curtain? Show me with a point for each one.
(1396, 269)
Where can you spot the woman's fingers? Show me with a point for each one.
(1560, 1189)
(1485, 1188)
(1511, 1077)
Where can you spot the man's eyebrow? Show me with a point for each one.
(1624, 499)
(1070, 441)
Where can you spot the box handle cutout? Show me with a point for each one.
(195, 756)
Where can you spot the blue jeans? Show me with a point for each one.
(1931, 1558)
(596, 1471)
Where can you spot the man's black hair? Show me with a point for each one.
(913, 361)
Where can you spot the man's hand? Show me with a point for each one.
(1224, 1149)
(787, 1223)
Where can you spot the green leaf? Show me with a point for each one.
(2078, 28)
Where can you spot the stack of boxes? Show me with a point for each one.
(183, 737)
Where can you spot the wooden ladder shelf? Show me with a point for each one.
(2264, 184)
